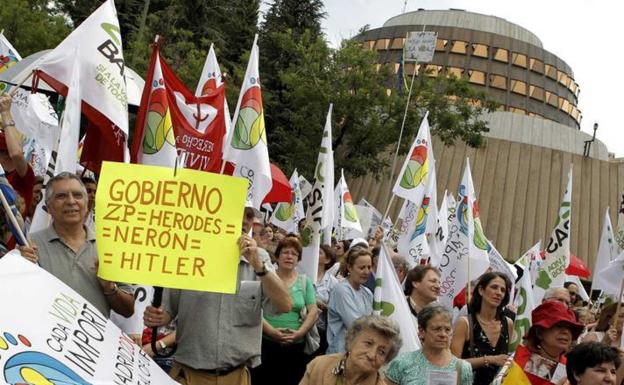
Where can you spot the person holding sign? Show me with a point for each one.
(219, 335)
(66, 249)
(434, 364)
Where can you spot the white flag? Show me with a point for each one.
(52, 335)
(346, 221)
(611, 276)
(471, 230)
(10, 56)
(158, 131)
(438, 241)
(577, 281)
(389, 301)
(320, 203)
(498, 263)
(607, 249)
(247, 145)
(414, 176)
(419, 223)
(211, 79)
(288, 214)
(99, 43)
(67, 156)
(524, 299)
(551, 272)
(305, 186)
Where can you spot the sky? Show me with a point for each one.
(587, 34)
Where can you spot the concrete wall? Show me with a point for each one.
(519, 187)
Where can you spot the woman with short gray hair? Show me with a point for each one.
(435, 360)
(369, 336)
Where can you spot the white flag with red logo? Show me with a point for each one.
(246, 146)
(210, 80)
(346, 221)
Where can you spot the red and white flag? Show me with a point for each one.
(171, 118)
(210, 80)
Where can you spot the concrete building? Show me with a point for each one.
(520, 174)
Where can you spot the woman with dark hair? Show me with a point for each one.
(482, 338)
(283, 335)
(350, 299)
(325, 282)
(592, 363)
(604, 331)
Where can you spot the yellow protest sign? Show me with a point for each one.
(158, 229)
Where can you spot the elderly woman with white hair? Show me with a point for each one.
(434, 362)
(371, 342)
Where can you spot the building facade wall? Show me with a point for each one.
(519, 188)
(519, 74)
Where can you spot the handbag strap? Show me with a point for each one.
(471, 334)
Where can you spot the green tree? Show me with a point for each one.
(30, 26)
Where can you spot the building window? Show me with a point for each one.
(517, 110)
(382, 44)
(433, 70)
(498, 81)
(408, 68)
(551, 99)
(536, 65)
(398, 43)
(368, 45)
(501, 55)
(480, 50)
(572, 86)
(518, 87)
(441, 44)
(564, 105)
(459, 47)
(519, 60)
(563, 79)
(454, 71)
(476, 77)
(536, 93)
(550, 71)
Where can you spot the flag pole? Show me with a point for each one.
(13, 220)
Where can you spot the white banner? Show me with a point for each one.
(523, 300)
(288, 214)
(51, 335)
(420, 46)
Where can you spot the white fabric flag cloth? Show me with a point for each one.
(414, 176)
(159, 114)
(611, 276)
(471, 231)
(420, 221)
(551, 272)
(67, 156)
(211, 78)
(607, 249)
(389, 301)
(346, 221)
(99, 43)
(51, 335)
(577, 281)
(247, 145)
(498, 263)
(320, 203)
(305, 186)
(524, 298)
(9, 52)
(438, 241)
(288, 214)
(143, 296)
(34, 116)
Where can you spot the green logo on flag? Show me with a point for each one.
(384, 308)
(543, 280)
(249, 128)
(417, 167)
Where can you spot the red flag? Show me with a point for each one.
(198, 122)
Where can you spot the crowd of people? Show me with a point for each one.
(283, 327)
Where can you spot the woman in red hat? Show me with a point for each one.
(542, 357)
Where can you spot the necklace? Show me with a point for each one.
(546, 354)
(491, 322)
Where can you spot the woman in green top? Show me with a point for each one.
(434, 363)
(283, 359)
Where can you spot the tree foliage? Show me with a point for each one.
(301, 75)
(31, 26)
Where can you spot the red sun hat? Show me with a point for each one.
(551, 313)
